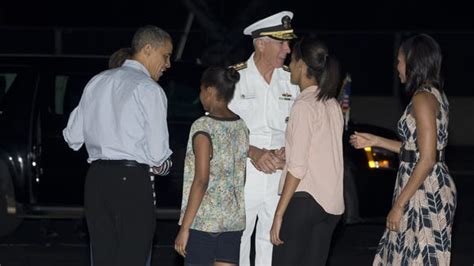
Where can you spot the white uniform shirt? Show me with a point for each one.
(121, 116)
(264, 107)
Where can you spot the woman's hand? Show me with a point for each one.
(394, 217)
(362, 140)
(280, 153)
(281, 156)
(181, 241)
(275, 231)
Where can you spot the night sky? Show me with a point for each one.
(361, 33)
(320, 14)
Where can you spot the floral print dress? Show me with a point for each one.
(223, 206)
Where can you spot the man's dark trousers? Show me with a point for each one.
(120, 212)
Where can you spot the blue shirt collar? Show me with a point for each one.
(136, 65)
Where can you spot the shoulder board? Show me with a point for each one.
(286, 68)
(239, 66)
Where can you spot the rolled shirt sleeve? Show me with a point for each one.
(74, 132)
(164, 169)
(298, 138)
(152, 104)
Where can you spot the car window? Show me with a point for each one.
(6, 81)
(17, 86)
(61, 93)
(67, 92)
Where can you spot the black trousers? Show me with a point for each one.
(120, 212)
(306, 231)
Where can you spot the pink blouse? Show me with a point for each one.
(314, 149)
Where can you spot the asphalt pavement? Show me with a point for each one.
(65, 242)
(353, 245)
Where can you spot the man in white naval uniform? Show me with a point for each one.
(263, 98)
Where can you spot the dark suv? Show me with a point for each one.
(40, 176)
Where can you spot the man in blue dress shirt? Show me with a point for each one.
(121, 119)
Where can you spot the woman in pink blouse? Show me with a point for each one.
(311, 185)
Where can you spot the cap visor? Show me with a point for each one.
(284, 37)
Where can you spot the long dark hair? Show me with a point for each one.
(223, 79)
(423, 63)
(323, 66)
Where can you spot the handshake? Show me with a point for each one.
(267, 161)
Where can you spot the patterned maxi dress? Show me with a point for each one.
(424, 237)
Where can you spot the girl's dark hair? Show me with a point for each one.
(223, 79)
(321, 65)
(423, 63)
(118, 57)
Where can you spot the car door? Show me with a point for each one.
(17, 83)
(63, 170)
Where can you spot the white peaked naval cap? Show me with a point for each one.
(277, 26)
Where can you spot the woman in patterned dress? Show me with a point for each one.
(420, 222)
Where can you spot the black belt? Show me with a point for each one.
(126, 163)
(410, 156)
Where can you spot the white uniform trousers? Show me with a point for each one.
(261, 199)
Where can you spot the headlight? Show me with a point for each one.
(380, 158)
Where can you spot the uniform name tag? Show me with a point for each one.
(246, 96)
(286, 96)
